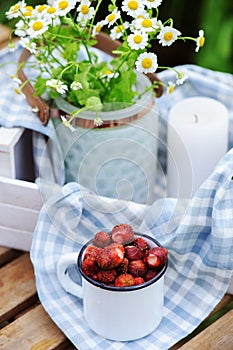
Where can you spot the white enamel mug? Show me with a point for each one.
(116, 313)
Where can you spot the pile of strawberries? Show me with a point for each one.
(120, 259)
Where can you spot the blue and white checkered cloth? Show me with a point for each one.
(198, 236)
(197, 233)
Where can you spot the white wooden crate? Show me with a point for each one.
(16, 160)
(20, 203)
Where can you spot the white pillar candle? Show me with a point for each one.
(196, 140)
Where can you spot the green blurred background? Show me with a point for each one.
(215, 17)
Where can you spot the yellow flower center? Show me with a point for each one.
(84, 9)
(51, 10)
(111, 17)
(15, 8)
(29, 8)
(27, 13)
(98, 28)
(137, 39)
(41, 8)
(108, 71)
(171, 89)
(147, 23)
(133, 5)
(119, 28)
(168, 36)
(202, 41)
(63, 5)
(17, 91)
(147, 62)
(37, 26)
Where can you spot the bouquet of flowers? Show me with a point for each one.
(61, 34)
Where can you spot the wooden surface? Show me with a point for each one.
(24, 324)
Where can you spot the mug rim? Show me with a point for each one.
(115, 288)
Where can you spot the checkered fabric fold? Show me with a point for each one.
(197, 233)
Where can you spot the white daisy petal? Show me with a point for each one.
(168, 35)
(152, 3)
(200, 40)
(138, 40)
(147, 63)
(133, 7)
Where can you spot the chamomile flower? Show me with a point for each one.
(76, 85)
(29, 45)
(37, 27)
(137, 40)
(40, 9)
(21, 28)
(200, 40)
(108, 75)
(66, 123)
(146, 62)
(132, 7)
(57, 85)
(112, 18)
(168, 35)
(11, 46)
(16, 79)
(152, 3)
(98, 121)
(97, 28)
(85, 11)
(18, 91)
(117, 31)
(170, 87)
(16, 10)
(28, 11)
(146, 24)
(17, 86)
(64, 6)
(181, 77)
(51, 11)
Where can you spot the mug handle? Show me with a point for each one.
(67, 283)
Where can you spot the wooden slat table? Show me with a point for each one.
(24, 324)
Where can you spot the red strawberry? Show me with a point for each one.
(157, 256)
(151, 273)
(106, 276)
(137, 268)
(90, 266)
(101, 239)
(124, 280)
(133, 253)
(122, 234)
(123, 267)
(91, 251)
(138, 280)
(142, 244)
(110, 257)
(116, 245)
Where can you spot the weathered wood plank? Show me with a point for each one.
(7, 254)
(33, 331)
(226, 300)
(217, 336)
(17, 287)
